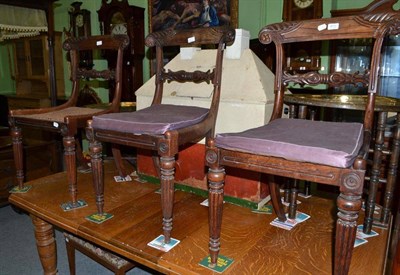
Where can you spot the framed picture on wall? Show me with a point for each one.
(187, 14)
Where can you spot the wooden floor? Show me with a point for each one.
(248, 238)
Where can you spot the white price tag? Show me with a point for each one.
(333, 26)
(322, 27)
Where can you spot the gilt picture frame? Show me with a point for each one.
(186, 14)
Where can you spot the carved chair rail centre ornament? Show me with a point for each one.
(337, 78)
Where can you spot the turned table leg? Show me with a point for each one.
(46, 245)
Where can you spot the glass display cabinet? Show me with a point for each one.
(390, 68)
(351, 56)
(354, 55)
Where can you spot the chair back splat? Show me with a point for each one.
(332, 153)
(164, 128)
(69, 118)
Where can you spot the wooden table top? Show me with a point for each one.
(255, 246)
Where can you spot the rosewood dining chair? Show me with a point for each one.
(67, 119)
(163, 128)
(332, 153)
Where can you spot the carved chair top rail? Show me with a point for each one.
(345, 27)
(102, 42)
(191, 37)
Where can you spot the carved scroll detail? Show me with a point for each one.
(352, 181)
(379, 17)
(183, 76)
(336, 78)
(163, 147)
(106, 74)
(393, 27)
(211, 156)
(159, 38)
(273, 32)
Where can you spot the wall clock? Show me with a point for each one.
(79, 20)
(119, 29)
(305, 56)
(302, 4)
(80, 26)
(118, 17)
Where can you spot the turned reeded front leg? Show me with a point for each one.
(216, 179)
(349, 205)
(167, 167)
(46, 245)
(16, 135)
(95, 149)
(70, 163)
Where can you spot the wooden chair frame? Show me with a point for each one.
(72, 122)
(167, 145)
(106, 258)
(350, 180)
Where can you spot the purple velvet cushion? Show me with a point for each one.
(155, 119)
(330, 143)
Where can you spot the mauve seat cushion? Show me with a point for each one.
(155, 119)
(330, 143)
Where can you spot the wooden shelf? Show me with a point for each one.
(27, 102)
(31, 63)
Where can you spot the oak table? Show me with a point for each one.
(256, 246)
